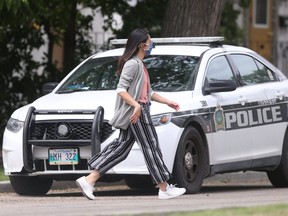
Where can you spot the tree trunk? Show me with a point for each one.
(192, 18)
(50, 68)
(69, 38)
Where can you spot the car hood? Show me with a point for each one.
(88, 100)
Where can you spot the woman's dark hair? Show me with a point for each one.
(132, 46)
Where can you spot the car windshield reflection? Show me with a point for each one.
(167, 73)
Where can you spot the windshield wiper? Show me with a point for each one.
(71, 91)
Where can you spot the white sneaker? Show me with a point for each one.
(171, 192)
(86, 188)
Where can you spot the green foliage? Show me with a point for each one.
(266, 210)
(233, 34)
(153, 11)
(228, 26)
(23, 25)
(55, 19)
(12, 5)
(2, 175)
(18, 69)
(244, 3)
(147, 14)
(150, 14)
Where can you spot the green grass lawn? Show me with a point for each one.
(270, 210)
(2, 176)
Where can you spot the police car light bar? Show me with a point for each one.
(176, 40)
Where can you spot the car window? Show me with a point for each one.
(219, 70)
(172, 73)
(167, 73)
(251, 70)
(95, 74)
(267, 73)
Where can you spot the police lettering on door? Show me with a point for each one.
(242, 118)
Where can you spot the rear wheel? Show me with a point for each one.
(30, 185)
(279, 177)
(189, 162)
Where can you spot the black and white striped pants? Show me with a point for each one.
(145, 134)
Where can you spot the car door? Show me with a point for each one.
(270, 111)
(231, 148)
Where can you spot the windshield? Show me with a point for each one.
(167, 73)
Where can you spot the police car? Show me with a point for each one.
(233, 117)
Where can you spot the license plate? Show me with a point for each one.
(63, 156)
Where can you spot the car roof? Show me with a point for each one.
(231, 48)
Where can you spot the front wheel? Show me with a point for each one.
(279, 177)
(189, 162)
(30, 185)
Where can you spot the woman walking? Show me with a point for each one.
(132, 117)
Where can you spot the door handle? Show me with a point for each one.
(280, 95)
(242, 100)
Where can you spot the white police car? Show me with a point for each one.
(233, 117)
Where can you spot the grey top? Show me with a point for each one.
(131, 80)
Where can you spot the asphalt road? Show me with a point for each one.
(223, 191)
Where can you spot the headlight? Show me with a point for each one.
(14, 125)
(161, 119)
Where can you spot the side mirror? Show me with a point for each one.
(219, 86)
(48, 87)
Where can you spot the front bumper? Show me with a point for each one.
(13, 156)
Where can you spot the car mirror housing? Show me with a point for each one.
(219, 86)
(49, 87)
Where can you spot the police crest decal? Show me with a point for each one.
(219, 118)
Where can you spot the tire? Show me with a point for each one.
(33, 186)
(279, 177)
(139, 182)
(189, 164)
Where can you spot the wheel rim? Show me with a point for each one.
(191, 160)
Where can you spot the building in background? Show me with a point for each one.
(266, 25)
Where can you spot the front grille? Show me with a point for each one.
(44, 130)
(62, 133)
